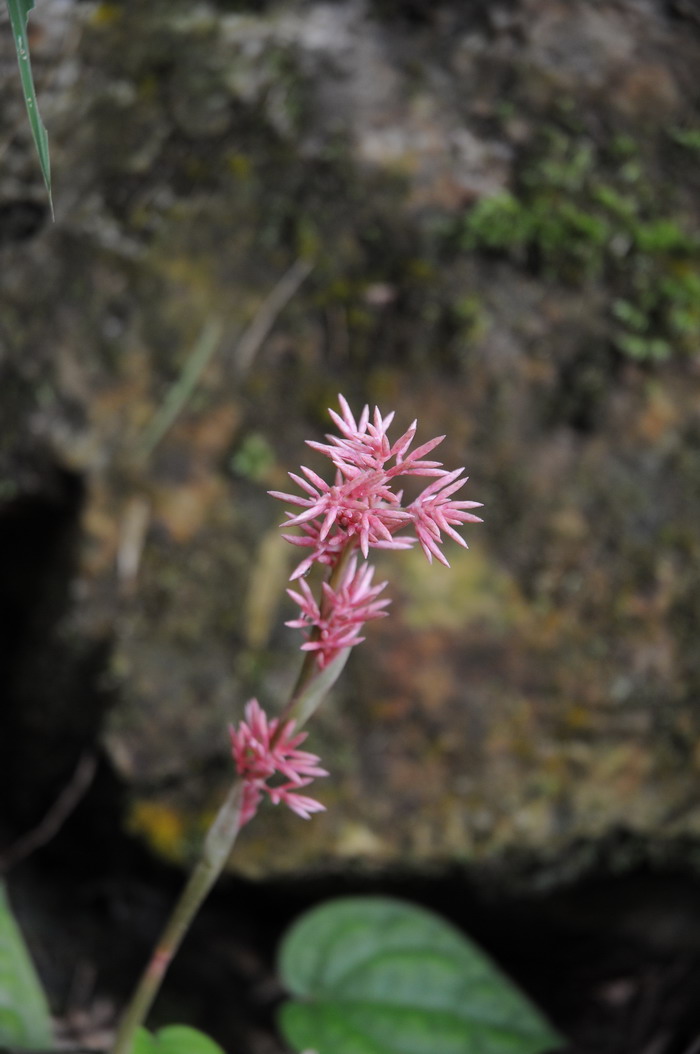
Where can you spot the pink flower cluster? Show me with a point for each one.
(261, 750)
(361, 504)
(362, 510)
(336, 623)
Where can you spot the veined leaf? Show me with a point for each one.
(380, 976)
(24, 1014)
(19, 13)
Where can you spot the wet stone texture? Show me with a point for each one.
(484, 216)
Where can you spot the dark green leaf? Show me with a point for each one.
(380, 976)
(24, 1014)
(19, 12)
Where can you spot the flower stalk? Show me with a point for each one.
(215, 852)
(339, 524)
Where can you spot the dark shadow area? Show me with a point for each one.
(612, 959)
(52, 703)
(21, 219)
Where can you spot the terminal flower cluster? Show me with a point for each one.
(362, 509)
(262, 750)
(362, 505)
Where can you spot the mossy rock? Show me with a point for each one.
(543, 690)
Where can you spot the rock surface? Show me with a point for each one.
(484, 216)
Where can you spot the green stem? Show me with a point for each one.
(311, 688)
(217, 847)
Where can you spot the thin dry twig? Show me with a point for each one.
(254, 335)
(56, 816)
(132, 537)
(181, 391)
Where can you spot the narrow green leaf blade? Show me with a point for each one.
(380, 976)
(24, 1014)
(19, 13)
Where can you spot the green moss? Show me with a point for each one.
(686, 137)
(476, 592)
(254, 458)
(580, 215)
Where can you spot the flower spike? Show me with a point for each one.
(361, 508)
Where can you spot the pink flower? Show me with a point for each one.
(366, 445)
(362, 509)
(337, 623)
(322, 552)
(261, 750)
(362, 505)
(328, 551)
(435, 511)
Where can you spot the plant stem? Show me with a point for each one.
(215, 852)
(311, 687)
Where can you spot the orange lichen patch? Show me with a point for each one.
(120, 414)
(184, 510)
(433, 685)
(105, 15)
(358, 840)
(660, 415)
(570, 524)
(239, 165)
(393, 708)
(160, 825)
(648, 91)
(578, 718)
(211, 433)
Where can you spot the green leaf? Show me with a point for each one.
(380, 976)
(24, 1013)
(19, 13)
(175, 1039)
(144, 1043)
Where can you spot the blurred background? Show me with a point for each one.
(481, 213)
